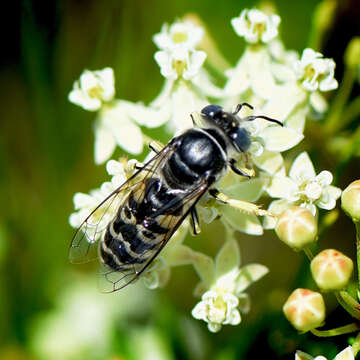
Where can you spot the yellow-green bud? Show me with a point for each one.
(305, 309)
(331, 269)
(297, 227)
(350, 200)
(352, 53)
(324, 14)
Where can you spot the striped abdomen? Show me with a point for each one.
(140, 226)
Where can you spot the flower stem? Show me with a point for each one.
(337, 331)
(308, 253)
(357, 226)
(333, 123)
(356, 345)
(348, 303)
(351, 112)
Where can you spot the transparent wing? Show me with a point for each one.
(111, 280)
(84, 244)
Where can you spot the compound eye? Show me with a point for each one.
(241, 140)
(210, 111)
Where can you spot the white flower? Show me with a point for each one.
(302, 187)
(346, 354)
(267, 136)
(186, 85)
(223, 283)
(114, 126)
(85, 203)
(253, 71)
(315, 72)
(255, 26)
(180, 62)
(184, 34)
(93, 88)
(217, 310)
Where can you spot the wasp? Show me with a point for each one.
(162, 193)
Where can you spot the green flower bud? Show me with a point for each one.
(297, 227)
(350, 200)
(331, 269)
(324, 14)
(352, 52)
(305, 309)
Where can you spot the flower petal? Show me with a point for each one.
(205, 267)
(279, 138)
(238, 78)
(179, 255)
(104, 144)
(248, 190)
(283, 101)
(281, 187)
(228, 258)
(261, 78)
(302, 167)
(247, 223)
(346, 354)
(270, 161)
(276, 207)
(324, 178)
(127, 134)
(249, 274)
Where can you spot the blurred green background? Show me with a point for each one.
(50, 309)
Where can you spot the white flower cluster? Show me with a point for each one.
(226, 281)
(279, 84)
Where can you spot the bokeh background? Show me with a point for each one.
(50, 309)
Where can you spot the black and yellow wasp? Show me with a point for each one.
(157, 198)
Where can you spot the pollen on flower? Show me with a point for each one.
(180, 34)
(256, 26)
(93, 88)
(315, 72)
(217, 309)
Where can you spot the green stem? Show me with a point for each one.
(333, 123)
(357, 226)
(348, 303)
(308, 253)
(351, 112)
(356, 345)
(346, 329)
(348, 152)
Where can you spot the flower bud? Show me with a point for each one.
(305, 309)
(296, 227)
(352, 52)
(324, 14)
(331, 269)
(350, 200)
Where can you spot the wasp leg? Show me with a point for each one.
(241, 205)
(194, 221)
(156, 146)
(238, 171)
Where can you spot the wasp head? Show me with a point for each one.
(229, 124)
